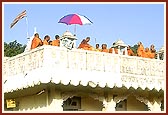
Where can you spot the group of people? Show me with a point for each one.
(36, 42)
(146, 52)
(86, 46)
(141, 51)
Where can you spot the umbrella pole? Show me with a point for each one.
(75, 30)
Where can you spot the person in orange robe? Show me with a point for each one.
(147, 53)
(50, 42)
(140, 50)
(84, 44)
(36, 42)
(152, 51)
(129, 51)
(115, 50)
(104, 48)
(97, 48)
(46, 40)
(56, 42)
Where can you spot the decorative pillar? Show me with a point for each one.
(158, 56)
(154, 106)
(74, 44)
(126, 53)
(109, 103)
(113, 51)
(55, 101)
(109, 106)
(162, 56)
(119, 50)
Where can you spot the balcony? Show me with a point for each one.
(80, 67)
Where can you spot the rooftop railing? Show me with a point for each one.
(114, 69)
(77, 59)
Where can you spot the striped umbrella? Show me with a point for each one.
(75, 19)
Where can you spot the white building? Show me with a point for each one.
(55, 79)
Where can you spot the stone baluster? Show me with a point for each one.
(158, 56)
(119, 50)
(126, 53)
(113, 51)
(55, 101)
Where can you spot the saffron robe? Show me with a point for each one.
(56, 42)
(36, 42)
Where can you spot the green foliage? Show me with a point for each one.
(134, 49)
(13, 48)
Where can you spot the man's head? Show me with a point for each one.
(152, 47)
(139, 43)
(36, 35)
(146, 49)
(47, 37)
(104, 46)
(50, 42)
(87, 39)
(97, 46)
(128, 48)
(57, 37)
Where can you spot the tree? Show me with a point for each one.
(13, 48)
(134, 49)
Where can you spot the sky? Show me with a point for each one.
(130, 23)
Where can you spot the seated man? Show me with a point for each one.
(147, 53)
(84, 44)
(97, 48)
(56, 42)
(140, 50)
(46, 40)
(36, 42)
(113, 49)
(104, 48)
(129, 51)
(152, 51)
(50, 42)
